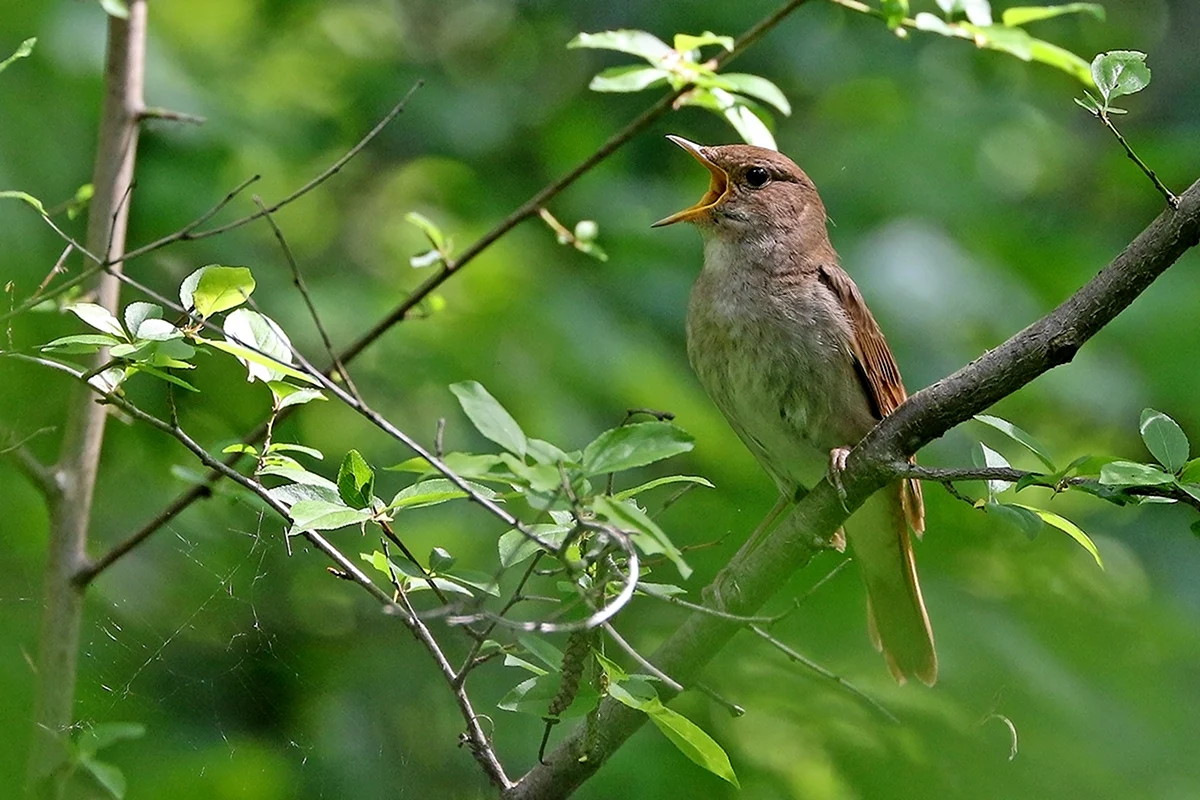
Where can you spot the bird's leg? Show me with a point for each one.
(837, 465)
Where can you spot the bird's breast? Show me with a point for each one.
(773, 353)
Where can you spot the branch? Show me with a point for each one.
(753, 579)
(40, 475)
(905, 469)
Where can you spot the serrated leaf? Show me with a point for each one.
(260, 344)
(1070, 528)
(1128, 473)
(356, 480)
(489, 417)
(635, 445)
(98, 317)
(1165, 440)
(318, 515)
(1120, 72)
(646, 534)
(1023, 15)
(213, 289)
(634, 42)
(1019, 436)
(629, 78)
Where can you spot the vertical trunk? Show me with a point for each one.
(116, 150)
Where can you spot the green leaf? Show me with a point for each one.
(481, 466)
(664, 590)
(933, 23)
(688, 737)
(1127, 473)
(293, 493)
(107, 775)
(984, 456)
(261, 345)
(630, 78)
(648, 537)
(979, 12)
(164, 376)
(1017, 515)
(1019, 436)
(1022, 15)
(318, 515)
(1190, 472)
(894, 12)
(545, 652)
(104, 734)
(440, 560)
(115, 8)
(1120, 72)
(356, 480)
(533, 696)
(515, 547)
(1165, 440)
(635, 445)
(684, 42)
(108, 380)
(749, 125)
(476, 580)
(285, 394)
(241, 447)
(23, 50)
(139, 312)
(156, 330)
(432, 232)
(26, 197)
(281, 447)
(638, 43)
(301, 476)
(80, 343)
(212, 289)
(756, 87)
(546, 453)
(98, 317)
(636, 490)
(435, 491)
(489, 417)
(1052, 55)
(1070, 528)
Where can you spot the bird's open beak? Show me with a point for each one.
(718, 185)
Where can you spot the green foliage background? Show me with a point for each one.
(968, 196)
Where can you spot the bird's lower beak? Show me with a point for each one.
(718, 185)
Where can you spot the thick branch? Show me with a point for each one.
(116, 152)
(928, 414)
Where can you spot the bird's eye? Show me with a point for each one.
(757, 177)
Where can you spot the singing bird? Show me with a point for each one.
(784, 344)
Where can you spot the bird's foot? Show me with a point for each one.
(837, 465)
(838, 540)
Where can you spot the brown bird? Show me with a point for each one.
(784, 344)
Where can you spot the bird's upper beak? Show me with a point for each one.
(718, 185)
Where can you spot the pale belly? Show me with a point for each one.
(781, 370)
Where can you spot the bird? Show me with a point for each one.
(781, 339)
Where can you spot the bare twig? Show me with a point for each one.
(1172, 200)
(298, 281)
(805, 661)
(154, 112)
(643, 662)
(40, 475)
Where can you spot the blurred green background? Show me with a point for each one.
(968, 196)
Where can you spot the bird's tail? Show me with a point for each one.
(896, 618)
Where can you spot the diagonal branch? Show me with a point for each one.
(751, 580)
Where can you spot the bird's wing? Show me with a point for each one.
(876, 369)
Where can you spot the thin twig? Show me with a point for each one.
(40, 475)
(298, 281)
(804, 660)
(668, 681)
(1172, 199)
(154, 112)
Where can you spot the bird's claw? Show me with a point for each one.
(837, 465)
